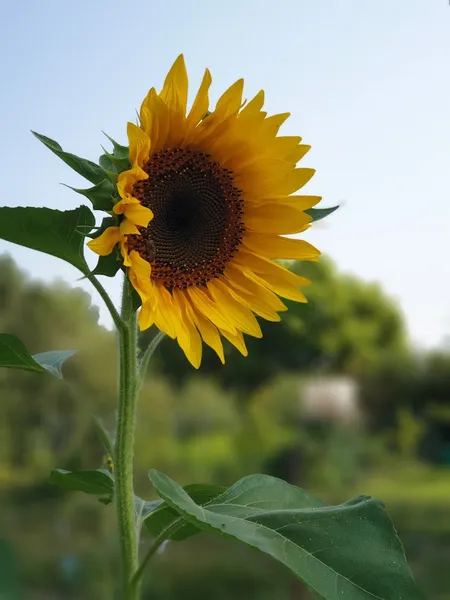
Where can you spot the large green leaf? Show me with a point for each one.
(161, 517)
(84, 167)
(98, 482)
(348, 551)
(14, 355)
(55, 232)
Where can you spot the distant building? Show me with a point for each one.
(330, 398)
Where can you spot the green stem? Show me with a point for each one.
(128, 392)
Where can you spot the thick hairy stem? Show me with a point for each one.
(128, 392)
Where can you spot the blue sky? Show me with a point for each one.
(367, 84)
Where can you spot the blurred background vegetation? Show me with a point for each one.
(333, 399)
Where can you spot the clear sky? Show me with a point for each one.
(367, 83)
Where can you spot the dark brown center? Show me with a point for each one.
(197, 224)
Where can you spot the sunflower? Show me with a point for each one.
(204, 210)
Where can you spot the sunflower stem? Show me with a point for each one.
(124, 447)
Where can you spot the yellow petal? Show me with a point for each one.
(207, 307)
(160, 124)
(128, 228)
(295, 180)
(124, 251)
(241, 317)
(191, 344)
(298, 153)
(139, 145)
(119, 207)
(175, 89)
(154, 118)
(140, 266)
(146, 316)
(272, 275)
(263, 176)
(167, 313)
(174, 96)
(236, 339)
(127, 180)
(276, 218)
(296, 202)
(146, 113)
(253, 107)
(240, 281)
(104, 243)
(253, 303)
(139, 275)
(138, 214)
(230, 101)
(201, 103)
(273, 123)
(274, 246)
(209, 334)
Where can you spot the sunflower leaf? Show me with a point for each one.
(347, 551)
(84, 167)
(14, 355)
(320, 213)
(54, 232)
(163, 517)
(97, 481)
(101, 195)
(53, 361)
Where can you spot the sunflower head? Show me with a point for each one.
(203, 211)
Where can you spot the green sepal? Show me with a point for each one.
(53, 232)
(109, 167)
(108, 265)
(115, 163)
(102, 195)
(119, 151)
(98, 482)
(122, 164)
(84, 167)
(320, 213)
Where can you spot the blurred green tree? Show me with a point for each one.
(44, 420)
